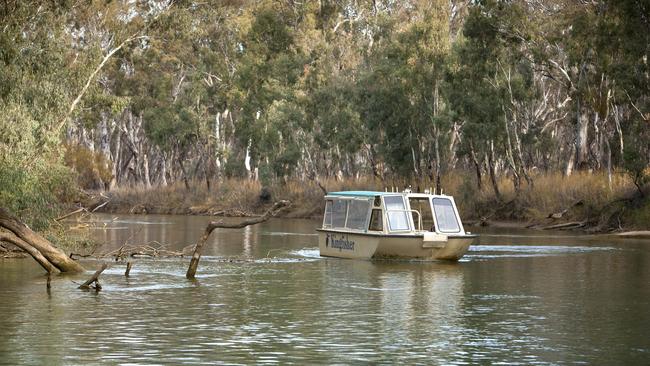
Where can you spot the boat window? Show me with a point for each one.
(358, 214)
(421, 205)
(376, 221)
(445, 215)
(396, 211)
(339, 212)
(327, 219)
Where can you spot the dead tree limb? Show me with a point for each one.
(70, 214)
(52, 254)
(13, 239)
(194, 263)
(94, 278)
(567, 225)
(96, 204)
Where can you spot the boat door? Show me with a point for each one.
(447, 220)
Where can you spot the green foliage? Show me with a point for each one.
(36, 83)
(91, 167)
(36, 195)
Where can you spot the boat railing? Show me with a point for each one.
(409, 211)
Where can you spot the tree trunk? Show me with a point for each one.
(163, 170)
(570, 163)
(516, 178)
(582, 130)
(145, 162)
(184, 172)
(438, 165)
(609, 164)
(117, 157)
(104, 145)
(53, 255)
(13, 239)
(477, 166)
(492, 171)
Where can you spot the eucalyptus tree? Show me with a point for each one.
(38, 71)
(399, 92)
(270, 66)
(489, 85)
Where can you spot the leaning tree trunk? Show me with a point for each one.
(13, 239)
(52, 254)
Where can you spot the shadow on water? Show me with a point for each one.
(515, 298)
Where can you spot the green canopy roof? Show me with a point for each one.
(357, 193)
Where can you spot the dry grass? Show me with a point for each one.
(582, 194)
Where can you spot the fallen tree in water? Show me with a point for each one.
(53, 260)
(47, 255)
(194, 263)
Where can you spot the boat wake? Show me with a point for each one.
(312, 253)
(513, 251)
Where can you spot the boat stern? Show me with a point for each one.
(453, 249)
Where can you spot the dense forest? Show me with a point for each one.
(109, 94)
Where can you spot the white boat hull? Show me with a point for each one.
(367, 245)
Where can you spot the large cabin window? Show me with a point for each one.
(421, 205)
(358, 215)
(398, 219)
(339, 213)
(347, 213)
(445, 215)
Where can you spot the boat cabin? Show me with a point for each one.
(391, 213)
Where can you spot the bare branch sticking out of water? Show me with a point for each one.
(196, 256)
(94, 279)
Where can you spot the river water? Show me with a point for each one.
(518, 297)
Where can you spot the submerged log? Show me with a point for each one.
(94, 278)
(53, 255)
(196, 256)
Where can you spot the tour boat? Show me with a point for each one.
(366, 224)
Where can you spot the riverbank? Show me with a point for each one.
(582, 201)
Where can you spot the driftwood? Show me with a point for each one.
(634, 234)
(557, 215)
(196, 256)
(153, 250)
(128, 269)
(560, 214)
(48, 251)
(566, 225)
(95, 279)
